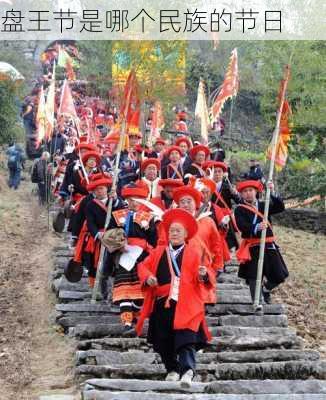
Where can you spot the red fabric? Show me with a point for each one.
(215, 164)
(150, 161)
(80, 243)
(134, 241)
(173, 148)
(190, 308)
(250, 183)
(183, 217)
(170, 182)
(219, 214)
(158, 202)
(138, 189)
(196, 149)
(211, 238)
(91, 154)
(184, 139)
(243, 253)
(187, 190)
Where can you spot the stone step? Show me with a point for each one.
(238, 387)
(87, 307)
(81, 291)
(254, 320)
(283, 340)
(98, 395)
(218, 309)
(63, 284)
(102, 357)
(258, 342)
(231, 269)
(229, 278)
(89, 331)
(226, 371)
(68, 296)
(72, 320)
(246, 309)
(223, 296)
(113, 343)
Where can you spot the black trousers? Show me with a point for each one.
(252, 286)
(181, 360)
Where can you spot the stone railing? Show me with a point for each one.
(306, 219)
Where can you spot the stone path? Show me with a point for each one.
(251, 357)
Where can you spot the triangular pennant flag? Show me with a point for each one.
(229, 87)
(67, 106)
(284, 129)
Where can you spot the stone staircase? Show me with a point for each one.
(251, 356)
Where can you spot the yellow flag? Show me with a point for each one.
(41, 118)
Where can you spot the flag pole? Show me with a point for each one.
(113, 190)
(268, 190)
(230, 119)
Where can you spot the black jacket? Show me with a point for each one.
(247, 221)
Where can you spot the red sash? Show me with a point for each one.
(243, 253)
(199, 169)
(176, 171)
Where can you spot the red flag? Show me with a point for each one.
(130, 107)
(284, 128)
(67, 106)
(229, 88)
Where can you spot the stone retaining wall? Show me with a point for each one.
(303, 218)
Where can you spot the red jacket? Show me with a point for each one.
(190, 308)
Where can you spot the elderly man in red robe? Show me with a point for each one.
(174, 280)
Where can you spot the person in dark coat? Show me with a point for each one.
(41, 175)
(198, 154)
(225, 195)
(90, 235)
(173, 169)
(15, 164)
(249, 220)
(56, 144)
(141, 236)
(255, 172)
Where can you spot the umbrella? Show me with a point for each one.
(7, 71)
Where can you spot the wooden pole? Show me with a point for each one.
(268, 191)
(113, 191)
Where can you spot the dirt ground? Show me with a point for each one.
(35, 358)
(305, 290)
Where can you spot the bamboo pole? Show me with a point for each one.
(268, 191)
(113, 190)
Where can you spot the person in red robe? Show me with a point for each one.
(165, 199)
(207, 240)
(174, 280)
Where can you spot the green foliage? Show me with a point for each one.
(11, 53)
(9, 111)
(96, 66)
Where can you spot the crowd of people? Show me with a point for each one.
(176, 219)
(169, 227)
